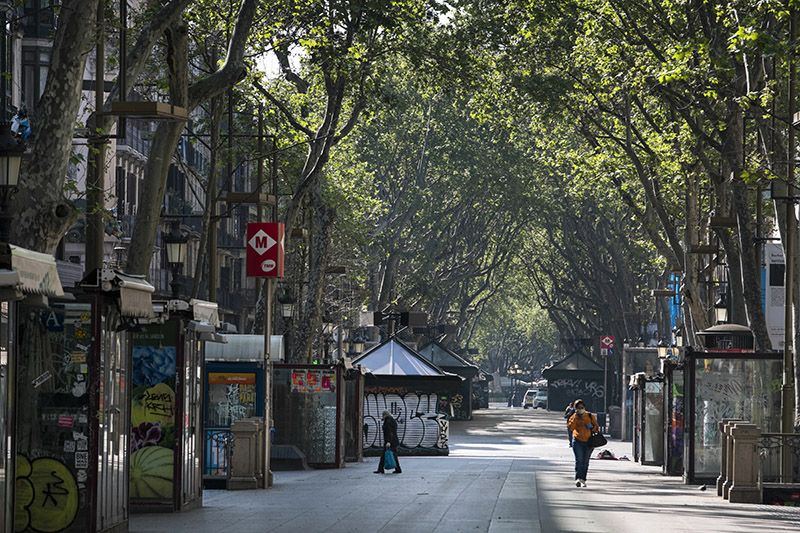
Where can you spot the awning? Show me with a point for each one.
(37, 272)
(135, 294)
(204, 311)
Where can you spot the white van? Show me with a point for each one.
(527, 400)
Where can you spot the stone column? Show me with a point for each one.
(745, 487)
(247, 458)
(726, 452)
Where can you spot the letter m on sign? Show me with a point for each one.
(265, 249)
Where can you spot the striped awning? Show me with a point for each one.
(36, 272)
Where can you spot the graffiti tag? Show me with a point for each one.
(419, 423)
(46, 495)
(580, 387)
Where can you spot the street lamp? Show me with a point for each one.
(11, 150)
(721, 308)
(358, 344)
(677, 332)
(663, 349)
(175, 244)
(287, 303)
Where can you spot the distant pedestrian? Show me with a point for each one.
(390, 442)
(568, 412)
(582, 424)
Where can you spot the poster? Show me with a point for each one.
(298, 381)
(153, 412)
(328, 381)
(231, 397)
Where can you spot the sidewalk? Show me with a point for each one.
(509, 470)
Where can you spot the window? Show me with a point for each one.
(35, 63)
(39, 18)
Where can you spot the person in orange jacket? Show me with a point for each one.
(582, 424)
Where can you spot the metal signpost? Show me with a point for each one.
(606, 350)
(265, 260)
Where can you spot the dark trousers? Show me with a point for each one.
(582, 452)
(396, 460)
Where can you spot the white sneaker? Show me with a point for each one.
(577, 482)
(583, 482)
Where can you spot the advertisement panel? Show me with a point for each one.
(153, 412)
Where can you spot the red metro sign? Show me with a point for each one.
(265, 250)
(607, 342)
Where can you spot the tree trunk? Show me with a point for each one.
(163, 146)
(750, 274)
(211, 197)
(40, 211)
(387, 283)
(167, 136)
(311, 317)
(695, 316)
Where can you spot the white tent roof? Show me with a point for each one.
(393, 358)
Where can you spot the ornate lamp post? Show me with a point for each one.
(677, 333)
(721, 308)
(11, 150)
(286, 301)
(175, 244)
(358, 344)
(663, 349)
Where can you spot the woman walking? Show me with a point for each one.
(390, 441)
(582, 424)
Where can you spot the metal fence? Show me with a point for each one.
(779, 454)
(218, 452)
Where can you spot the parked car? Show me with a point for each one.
(527, 401)
(540, 399)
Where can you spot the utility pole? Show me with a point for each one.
(787, 388)
(95, 203)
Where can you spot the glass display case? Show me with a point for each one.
(308, 411)
(743, 385)
(673, 419)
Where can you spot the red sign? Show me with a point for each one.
(265, 250)
(607, 341)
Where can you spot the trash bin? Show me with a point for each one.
(614, 426)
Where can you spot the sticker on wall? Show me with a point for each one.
(41, 379)
(79, 386)
(69, 446)
(81, 459)
(81, 442)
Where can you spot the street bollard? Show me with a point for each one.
(744, 488)
(246, 461)
(726, 450)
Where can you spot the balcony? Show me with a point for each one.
(236, 300)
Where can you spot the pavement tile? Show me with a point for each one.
(462, 526)
(514, 526)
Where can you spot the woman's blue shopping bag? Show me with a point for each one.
(388, 460)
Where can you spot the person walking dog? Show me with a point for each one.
(390, 442)
(582, 424)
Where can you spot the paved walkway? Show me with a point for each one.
(510, 470)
